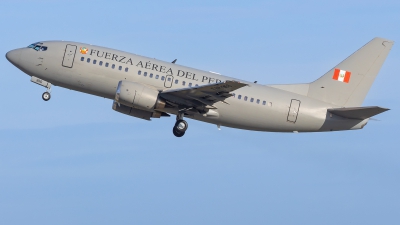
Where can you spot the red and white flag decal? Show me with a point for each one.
(341, 75)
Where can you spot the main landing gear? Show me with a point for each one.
(180, 126)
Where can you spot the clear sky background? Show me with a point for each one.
(73, 160)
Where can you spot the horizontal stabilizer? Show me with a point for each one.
(360, 113)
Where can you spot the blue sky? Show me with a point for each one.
(73, 160)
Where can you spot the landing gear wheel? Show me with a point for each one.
(177, 133)
(180, 128)
(46, 96)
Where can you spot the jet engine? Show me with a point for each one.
(139, 96)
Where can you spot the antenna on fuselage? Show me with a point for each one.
(255, 82)
(174, 61)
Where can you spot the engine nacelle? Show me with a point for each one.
(138, 96)
(146, 115)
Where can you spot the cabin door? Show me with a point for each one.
(293, 111)
(69, 55)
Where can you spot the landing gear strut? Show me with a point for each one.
(46, 95)
(180, 126)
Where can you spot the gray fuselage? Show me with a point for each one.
(97, 70)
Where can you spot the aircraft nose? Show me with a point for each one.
(14, 56)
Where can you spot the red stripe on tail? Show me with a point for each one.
(347, 77)
(336, 74)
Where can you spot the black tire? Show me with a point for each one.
(181, 126)
(46, 96)
(177, 133)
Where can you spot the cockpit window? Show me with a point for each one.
(35, 44)
(38, 46)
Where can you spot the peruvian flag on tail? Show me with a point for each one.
(341, 75)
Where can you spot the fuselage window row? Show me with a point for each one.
(106, 64)
(151, 75)
(245, 98)
(169, 79)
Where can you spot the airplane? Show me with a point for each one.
(148, 88)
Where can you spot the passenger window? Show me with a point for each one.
(183, 83)
(239, 96)
(120, 68)
(162, 78)
(82, 59)
(88, 60)
(190, 84)
(176, 81)
(139, 72)
(101, 63)
(233, 94)
(126, 69)
(252, 100)
(107, 64)
(258, 101)
(157, 76)
(264, 102)
(245, 98)
(113, 66)
(169, 78)
(151, 75)
(145, 74)
(94, 61)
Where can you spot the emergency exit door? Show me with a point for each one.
(69, 55)
(168, 81)
(293, 111)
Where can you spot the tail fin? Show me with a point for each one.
(348, 83)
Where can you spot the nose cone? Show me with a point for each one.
(14, 56)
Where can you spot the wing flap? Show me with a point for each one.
(360, 113)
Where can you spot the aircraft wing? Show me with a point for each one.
(205, 95)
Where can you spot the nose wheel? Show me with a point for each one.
(46, 96)
(180, 126)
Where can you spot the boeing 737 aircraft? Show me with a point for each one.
(147, 88)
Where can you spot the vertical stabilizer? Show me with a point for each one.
(348, 83)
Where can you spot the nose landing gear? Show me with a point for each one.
(180, 126)
(46, 95)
